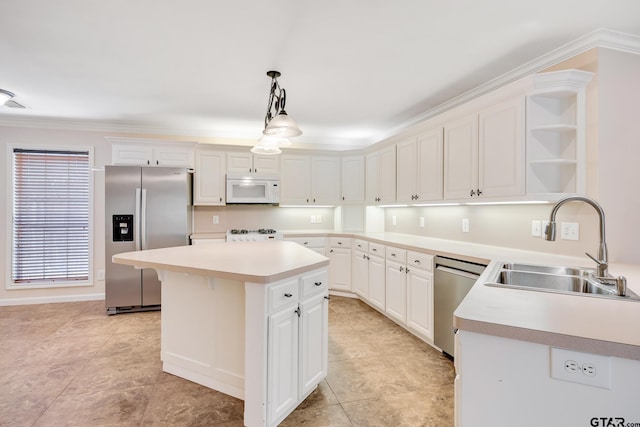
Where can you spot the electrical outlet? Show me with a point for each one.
(394, 220)
(536, 228)
(313, 219)
(318, 219)
(422, 221)
(569, 231)
(465, 225)
(100, 274)
(216, 219)
(583, 368)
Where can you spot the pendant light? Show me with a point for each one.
(278, 125)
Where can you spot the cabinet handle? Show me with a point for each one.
(330, 250)
(364, 256)
(220, 198)
(157, 162)
(148, 162)
(305, 243)
(307, 200)
(318, 283)
(472, 193)
(297, 311)
(255, 170)
(401, 268)
(342, 197)
(417, 261)
(339, 243)
(374, 249)
(406, 270)
(327, 298)
(393, 254)
(479, 192)
(314, 200)
(288, 295)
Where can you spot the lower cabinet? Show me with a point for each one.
(396, 284)
(339, 255)
(297, 343)
(377, 294)
(419, 270)
(360, 274)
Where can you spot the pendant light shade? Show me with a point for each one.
(283, 126)
(5, 96)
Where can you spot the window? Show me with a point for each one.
(51, 217)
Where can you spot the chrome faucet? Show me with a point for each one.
(602, 261)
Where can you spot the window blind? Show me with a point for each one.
(51, 216)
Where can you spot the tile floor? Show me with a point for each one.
(70, 364)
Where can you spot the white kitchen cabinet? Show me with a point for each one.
(353, 177)
(209, 178)
(247, 162)
(315, 243)
(381, 176)
(297, 342)
(419, 163)
(396, 284)
(556, 127)
(484, 153)
(309, 180)
(419, 269)
(283, 362)
(313, 352)
(150, 154)
(339, 264)
(377, 293)
(360, 269)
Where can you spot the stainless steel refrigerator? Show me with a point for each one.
(145, 208)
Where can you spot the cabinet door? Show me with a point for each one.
(314, 323)
(396, 291)
(239, 162)
(377, 295)
(209, 185)
(429, 170)
(173, 156)
(131, 155)
(371, 173)
(420, 302)
(360, 274)
(263, 163)
(501, 149)
(340, 269)
(282, 356)
(325, 180)
(387, 175)
(295, 180)
(406, 178)
(353, 179)
(461, 158)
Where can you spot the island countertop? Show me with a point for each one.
(257, 262)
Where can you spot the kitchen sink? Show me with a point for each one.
(565, 280)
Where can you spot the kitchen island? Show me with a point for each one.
(247, 319)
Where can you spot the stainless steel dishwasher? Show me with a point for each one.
(452, 280)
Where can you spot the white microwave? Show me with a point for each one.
(258, 189)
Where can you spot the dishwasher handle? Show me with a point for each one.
(457, 272)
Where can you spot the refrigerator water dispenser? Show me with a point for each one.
(123, 228)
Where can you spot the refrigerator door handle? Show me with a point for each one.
(143, 219)
(136, 221)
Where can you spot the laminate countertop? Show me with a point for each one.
(257, 262)
(591, 324)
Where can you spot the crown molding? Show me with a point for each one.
(601, 37)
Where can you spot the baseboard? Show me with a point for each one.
(50, 300)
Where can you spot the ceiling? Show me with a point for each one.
(354, 70)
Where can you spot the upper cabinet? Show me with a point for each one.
(136, 152)
(309, 180)
(353, 179)
(556, 123)
(252, 163)
(484, 153)
(381, 176)
(209, 178)
(419, 168)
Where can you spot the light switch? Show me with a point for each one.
(569, 231)
(422, 221)
(394, 220)
(465, 225)
(536, 228)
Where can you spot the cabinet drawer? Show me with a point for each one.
(376, 249)
(314, 283)
(395, 254)
(420, 260)
(283, 294)
(339, 242)
(309, 242)
(361, 245)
